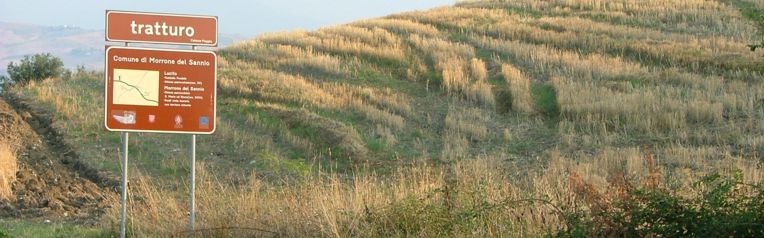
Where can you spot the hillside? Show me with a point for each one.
(480, 79)
(75, 46)
(430, 123)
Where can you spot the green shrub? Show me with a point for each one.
(545, 98)
(3, 81)
(35, 67)
(722, 207)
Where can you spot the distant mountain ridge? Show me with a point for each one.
(74, 45)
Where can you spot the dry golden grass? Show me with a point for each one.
(279, 87)
(520, 86)
(8, 168)
(453, 15)
(378, 105)
(336, 135)
(462, 73)
(455, 79)
(47, 94)
(481, 92)
(469, 121)
(288, 88)
(462, 126)
(399, 26)
(290, 57)
(385, 134)
(700, 47)
(442, 50)
(374, 36)
(609, 93)
(691, 17)
(477, 67)
(455, 146)
(335, 44)
(329, 205)
(666, 48)
(420, 200)
(543, 61)
(377, 115)
(388, 99)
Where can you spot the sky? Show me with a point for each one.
(243, 17)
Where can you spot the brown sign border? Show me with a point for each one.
(106, 92)
(160, 14)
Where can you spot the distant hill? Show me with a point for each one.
(74, 45)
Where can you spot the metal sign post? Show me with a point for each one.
(123, 195)
(192, 216)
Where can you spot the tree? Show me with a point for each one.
(36, 67)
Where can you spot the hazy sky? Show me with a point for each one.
(245, 17)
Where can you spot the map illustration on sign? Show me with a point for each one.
(136, 87)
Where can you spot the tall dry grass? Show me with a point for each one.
(307, 61)
(616, 94)
(462, 74)
(645, 45)
(520, 87)
(374, 36)
(699, 17)
(421, 201)
(483, 196)
(399, 26)
(336, 44)
(469, 121)
(462, 127)
(8, 168)
(698, 44)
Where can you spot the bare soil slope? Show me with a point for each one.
(49, 182)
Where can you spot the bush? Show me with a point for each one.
(35, 67)
(545, 98)
(4, 80)
(722, 207)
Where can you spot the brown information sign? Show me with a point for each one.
(160, 90)
(161, 28)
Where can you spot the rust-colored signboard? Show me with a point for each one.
(160, 90)
(161, 28)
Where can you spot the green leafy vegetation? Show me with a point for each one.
(47, 229)
(720, 206)
(545, 98)
(35, 68)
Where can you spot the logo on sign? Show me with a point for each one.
(124, 117)
(204, 122)
(152, 118)
(178, 121)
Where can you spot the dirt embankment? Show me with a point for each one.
(50, 181)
